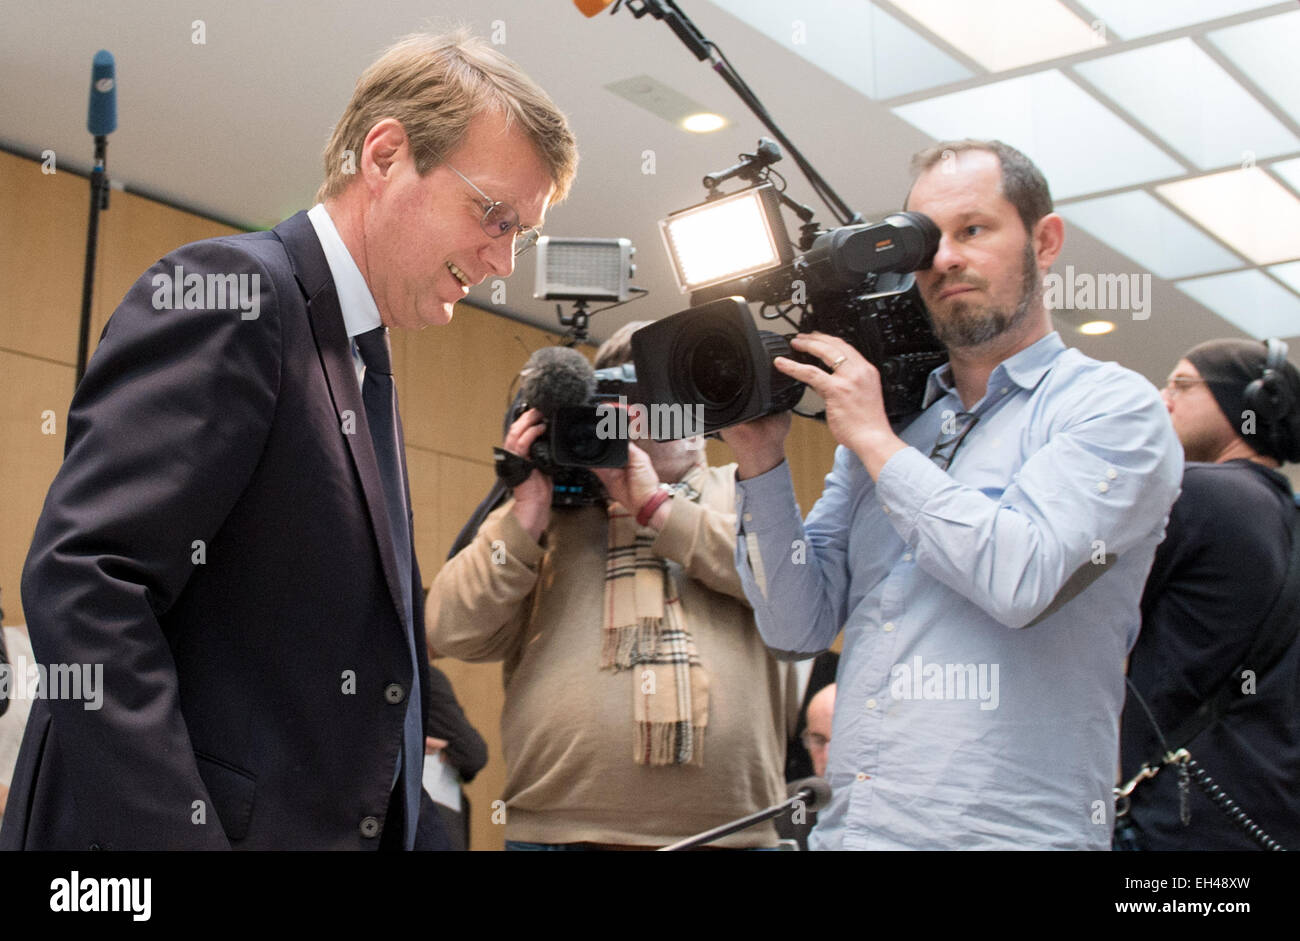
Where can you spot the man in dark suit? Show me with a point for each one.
(229, 535)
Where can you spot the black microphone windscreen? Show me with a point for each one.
(818, 792)
(555, 377)
(102, 119)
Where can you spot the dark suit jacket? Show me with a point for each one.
(217, 539)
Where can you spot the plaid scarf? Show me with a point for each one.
(645, 625)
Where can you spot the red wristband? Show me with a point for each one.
(650, 506)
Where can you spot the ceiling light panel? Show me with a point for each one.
(1249, 300)
(1159, 240)
(1133, 18)
(858, 43)
(1265, 51)
(1289, 274)
(1080, 145)
(1247, 209)
(1004, 34)
(1189, 101)
(1288, 170)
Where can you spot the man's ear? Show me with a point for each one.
(1049, 239)
(385, 146)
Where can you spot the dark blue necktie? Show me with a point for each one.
(380, 398)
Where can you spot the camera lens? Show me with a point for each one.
(718, 369)
(580, 443)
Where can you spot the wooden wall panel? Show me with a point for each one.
(457, 377)
(29, 459)
(133, 234)
(42, 254)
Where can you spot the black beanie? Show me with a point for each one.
(1228, 367)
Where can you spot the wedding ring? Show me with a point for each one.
(838, 363)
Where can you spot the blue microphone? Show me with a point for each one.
(102, 120)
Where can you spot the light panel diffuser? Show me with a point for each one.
(1080, 145)
(1138, 225)
(1191, 102)
(1246, 208)
(1249, 300)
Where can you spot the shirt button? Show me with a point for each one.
(370, 827)
(1110, 472)
(907, 557)
(749, 517)
(887, 626)
(885, 508)
(1102, 486)
(862, 776)
(394, 693)
(871, 704)
(1005, 389)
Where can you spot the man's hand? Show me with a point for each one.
(634, 484)
(436, 746)
(759, 445)
(533, 497)
(855, 405)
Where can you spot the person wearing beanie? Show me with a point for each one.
(1235, 405)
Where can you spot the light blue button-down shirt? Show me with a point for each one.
(964, 718)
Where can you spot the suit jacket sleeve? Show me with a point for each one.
(444, 719)
(164, 433)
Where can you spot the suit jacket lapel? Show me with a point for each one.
(335, 351)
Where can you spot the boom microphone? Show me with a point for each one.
(102, 119)
(555, 377)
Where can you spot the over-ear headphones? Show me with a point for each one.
(1269, 396)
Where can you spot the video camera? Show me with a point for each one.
(853, 282)
(585, 412)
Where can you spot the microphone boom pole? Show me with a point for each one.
(812, 792)
(101, 122)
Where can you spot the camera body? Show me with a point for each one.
(713, 355)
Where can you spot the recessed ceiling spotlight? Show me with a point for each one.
(702, 122)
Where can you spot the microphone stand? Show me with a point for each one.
(98, 201)
(804, 794)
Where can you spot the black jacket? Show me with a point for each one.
(217, 539)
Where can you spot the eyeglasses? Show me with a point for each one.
(1180, 384)
(501, 219)
(946, 445)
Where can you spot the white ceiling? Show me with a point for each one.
(234, 127)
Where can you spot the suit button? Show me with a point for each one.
(370, 828)
(95, 846)
(394, 693)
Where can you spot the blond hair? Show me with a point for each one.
(434, 86)
(617, 350)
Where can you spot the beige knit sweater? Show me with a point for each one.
(567, 725)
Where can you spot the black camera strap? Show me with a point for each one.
(512, 469)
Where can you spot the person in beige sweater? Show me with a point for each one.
(641, 705)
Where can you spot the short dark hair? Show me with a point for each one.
(1023, 184)
(617, 350)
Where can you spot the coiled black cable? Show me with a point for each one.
(1231, 808)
